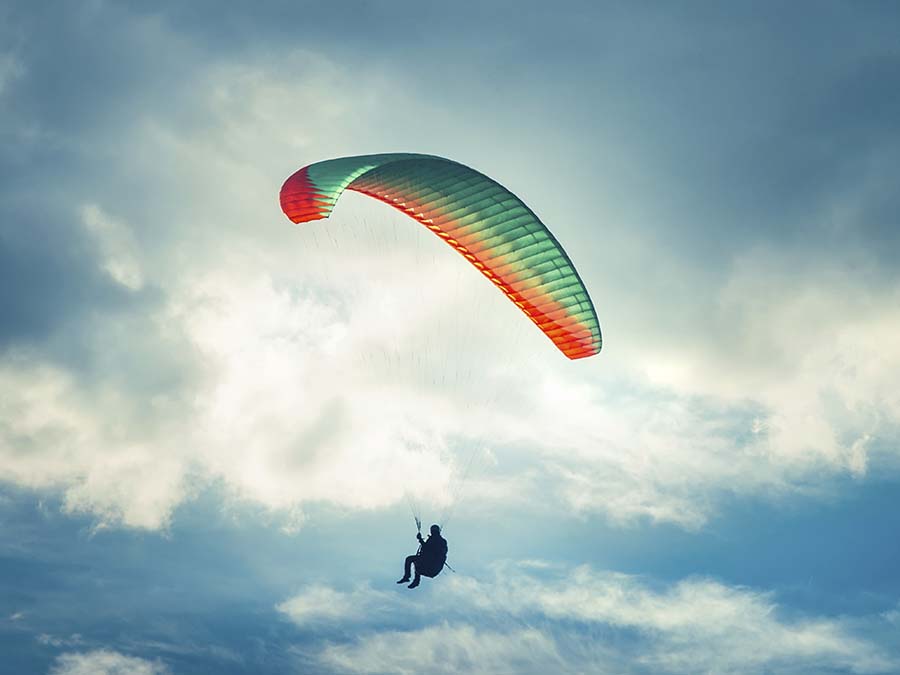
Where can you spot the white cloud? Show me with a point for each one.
(266, 400)
(319, 366)
(54, 432)
(892, 616)
(784, 384)
(537, 618)
(318, 603)
(697, 625)
(449, 649)
(106, 662)
(116, 243)
(59, 641)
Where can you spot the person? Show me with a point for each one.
(430, 559)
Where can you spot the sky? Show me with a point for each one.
(214, 424)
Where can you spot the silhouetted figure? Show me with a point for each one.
(430, 559)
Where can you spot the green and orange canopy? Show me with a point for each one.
(486, 223)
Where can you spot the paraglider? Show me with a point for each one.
(429, 560)
(486, 223)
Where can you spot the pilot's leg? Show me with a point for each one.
(410, 559)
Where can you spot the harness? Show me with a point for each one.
(419, 551)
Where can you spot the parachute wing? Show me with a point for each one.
(486, 223)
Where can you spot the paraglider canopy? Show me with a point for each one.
(486, 223)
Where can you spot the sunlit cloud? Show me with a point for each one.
(352, 360)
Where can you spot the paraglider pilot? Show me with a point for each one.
(430, 559)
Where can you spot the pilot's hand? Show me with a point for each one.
(419, 536)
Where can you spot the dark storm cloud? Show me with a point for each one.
(51, 113)
(48, 275)
(84, 75)
(742, 124)
(88, 69)
(762, 110)
(54, 292)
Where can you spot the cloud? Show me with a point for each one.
(236, 376)
(783, 384)
(53, 435)
(196, 337)
(105, 662)
(317, 604)
(697, 625)
(216, 365)
(542, 618)
(449, 649)
(235, 358)
(57, 641)
(116, 244)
